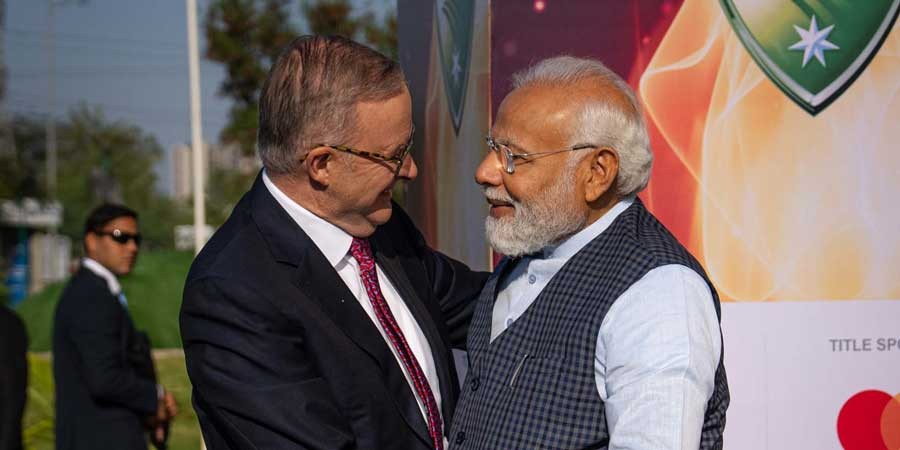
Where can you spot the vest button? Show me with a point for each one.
(474, 384)
(460, 437)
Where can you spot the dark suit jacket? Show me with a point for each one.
(282, 356)
(13, 378)
(104, 387)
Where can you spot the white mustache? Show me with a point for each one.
(497, 194)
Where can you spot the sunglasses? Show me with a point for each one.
(120, 236)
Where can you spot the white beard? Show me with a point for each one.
(537, 223)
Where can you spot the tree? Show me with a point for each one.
(99, 161)
(337, 17)
(245, 36)
(383, 37)
(332, 17)
(20, 170)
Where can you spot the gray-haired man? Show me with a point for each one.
(598, 330)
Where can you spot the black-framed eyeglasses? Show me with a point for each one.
(120, 236)
(508, 157)
(396, 160)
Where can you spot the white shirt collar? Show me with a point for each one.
(111, 281)
(569, 247)
(332, 241)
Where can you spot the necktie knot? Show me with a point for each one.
(362, 253)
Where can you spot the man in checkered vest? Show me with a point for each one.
(598, 330)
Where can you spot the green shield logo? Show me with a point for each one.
(812, 50)
(454, 25)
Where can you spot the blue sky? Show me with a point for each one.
(128, 57)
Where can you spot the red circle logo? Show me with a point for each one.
(870, 420)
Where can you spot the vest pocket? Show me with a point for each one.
(516, 369)
(530, 371)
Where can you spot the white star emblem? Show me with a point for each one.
(456, 70)
(814, 42)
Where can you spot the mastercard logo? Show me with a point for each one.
(870, 420)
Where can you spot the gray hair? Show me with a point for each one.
(311, 93)
(600, 122)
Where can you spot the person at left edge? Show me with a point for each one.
(13, 378)
(106, 391)
(317, 317)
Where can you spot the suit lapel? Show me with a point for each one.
(316, 278)
(393, 269)
(317, 281)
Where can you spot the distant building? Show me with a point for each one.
(181, 172)
(229, 157)
(220, 156)
(184, 236)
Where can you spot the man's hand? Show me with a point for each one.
(166, 410)
(171, 406)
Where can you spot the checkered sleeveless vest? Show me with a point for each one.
(534, 386)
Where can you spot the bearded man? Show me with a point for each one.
(598, 329)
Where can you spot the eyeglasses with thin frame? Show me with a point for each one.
(509, 158)
(396, 160)
(120, 236)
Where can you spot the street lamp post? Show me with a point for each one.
(196, 129)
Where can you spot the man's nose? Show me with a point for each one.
(488, 172)
(409, 170)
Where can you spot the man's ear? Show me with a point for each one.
(90, 244)
(318, 167)
(602, 176)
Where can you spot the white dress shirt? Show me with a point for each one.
(111, 281)
(657, 350)
(334, 243)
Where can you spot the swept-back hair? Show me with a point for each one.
(310, 96)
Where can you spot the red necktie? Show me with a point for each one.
(362, 252)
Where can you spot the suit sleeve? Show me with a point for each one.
(254, 385)
(95, 330)
(13, 381)
(455, 286)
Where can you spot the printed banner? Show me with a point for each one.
(774, 129)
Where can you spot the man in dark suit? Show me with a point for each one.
(106, 391)
(317, 317)
(13, 378)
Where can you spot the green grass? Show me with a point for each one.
(154, 298)
(38, 422)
